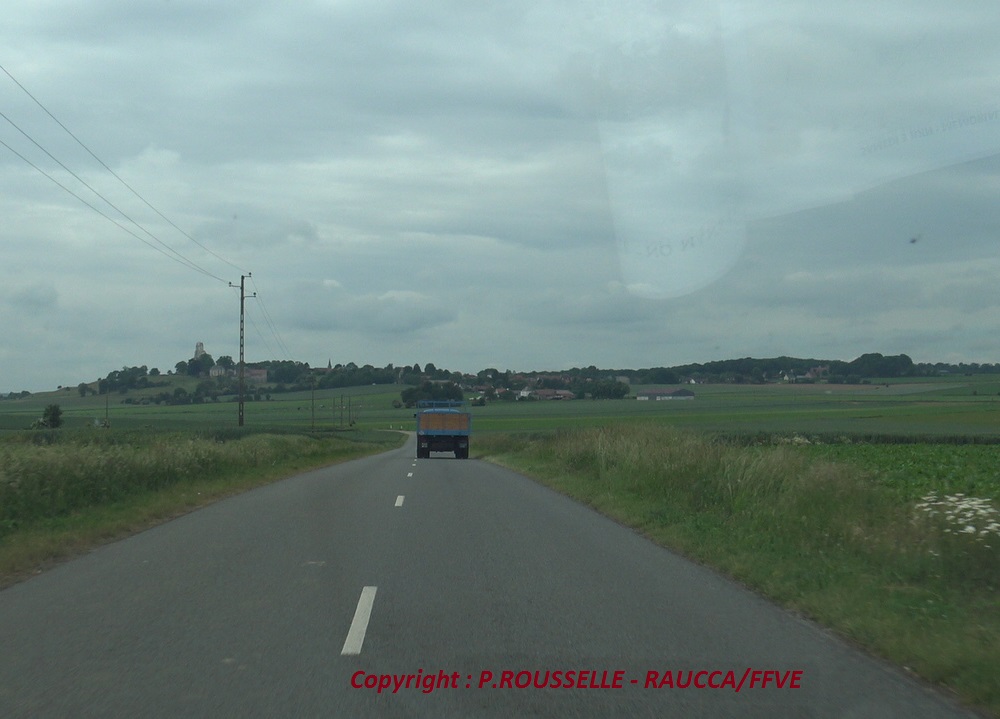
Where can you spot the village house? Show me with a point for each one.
(658, 395)
(549, 394)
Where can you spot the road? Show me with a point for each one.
(274, 602)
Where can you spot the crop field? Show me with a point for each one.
(949, 407)
(913, 470)
(326, 410)
(874, 509)
(894, 545)
(64, 491)
(968, 408)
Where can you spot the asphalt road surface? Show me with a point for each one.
(458, 584)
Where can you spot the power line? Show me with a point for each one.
(166, 250)
(179, 258)
(115, 174)
(269, 321)
(262, 339)
(83, 182)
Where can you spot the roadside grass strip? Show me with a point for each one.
(62, 493)
(972, 516)
(913, 577)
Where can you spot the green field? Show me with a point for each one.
(64, 491)
(874, 509)
(326, 410)
(966, 407)
(952, 407)
(893, 545)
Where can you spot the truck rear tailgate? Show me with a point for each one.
(443, 422)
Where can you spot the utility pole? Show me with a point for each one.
(243, 297)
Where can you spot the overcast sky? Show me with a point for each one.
(522, 185)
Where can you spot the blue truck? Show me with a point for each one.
(443, 426)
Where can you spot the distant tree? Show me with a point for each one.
(288, 372)
(83, 389)
(155, 372)
(226, 362)
(489, 373)
(206, 389)
(662, 375)
(52, 416)
(606, 389)
(431, 390)
(876, 365)
(411, 396)
(410, 375)
(181, 367)
(552, 383)
(198, 366)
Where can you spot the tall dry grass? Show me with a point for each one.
(914, 580)
(764, 495)
(64, 473)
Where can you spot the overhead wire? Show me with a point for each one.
(257, 330)
(115, 174)
(165, 249)
(269, 321)
(179, 258)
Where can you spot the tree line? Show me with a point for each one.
(293, 376)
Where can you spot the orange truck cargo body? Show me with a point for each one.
(443, 421)
(443, 430)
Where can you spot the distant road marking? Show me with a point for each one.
(356, 634)
(399, 501)
(409, 474)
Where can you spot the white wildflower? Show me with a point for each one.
(962, 514)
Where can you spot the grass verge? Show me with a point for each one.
(64, 494)
(913, 580)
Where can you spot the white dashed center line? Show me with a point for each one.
(399, 501)
(356, 635)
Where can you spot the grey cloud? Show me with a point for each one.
(328, 307)
(34, 299)
(578, 307)
(478, 171)
(249, 228)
